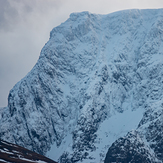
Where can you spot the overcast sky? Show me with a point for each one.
(25, 26)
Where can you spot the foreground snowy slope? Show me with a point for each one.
(12, 153)
(98, 79)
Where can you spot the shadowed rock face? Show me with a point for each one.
(97, 78)
(13, 153)
(130, 149)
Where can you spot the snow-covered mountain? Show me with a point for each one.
(96, 89)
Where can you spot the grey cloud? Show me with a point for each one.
(6, 12)
(13, 12)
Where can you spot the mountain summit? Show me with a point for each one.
(95, 93)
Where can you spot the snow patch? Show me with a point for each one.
(113, 128)
(55, 152)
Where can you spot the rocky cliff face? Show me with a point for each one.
(130, 148)
(97, 78)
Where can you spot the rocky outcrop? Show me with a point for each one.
(13, 153)
(130, 148)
